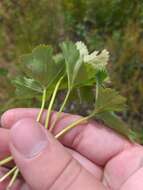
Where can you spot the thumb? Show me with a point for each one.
(44, 162)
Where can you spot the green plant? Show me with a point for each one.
(116, 25)
(46, 74)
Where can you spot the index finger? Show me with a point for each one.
(94, 141)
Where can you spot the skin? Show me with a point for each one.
(89, 157)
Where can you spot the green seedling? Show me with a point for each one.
(73, 69)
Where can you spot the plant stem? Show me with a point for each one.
(52, 102)
(61, 109)
(42, 105)
(13, 179)
(71, 126)
(65, 101)
(97, 90)
(8, 174)
(6, 160)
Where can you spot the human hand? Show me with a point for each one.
(93, 157)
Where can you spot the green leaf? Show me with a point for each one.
(82, 48)
(95, 64)
(82, 95)
(26, 87)
(98, 60)
(136, 135)
(41, 66)
(109, 100)
(25, 93)
(75, 71)
(78, 73)
(102, 76)
(58, 58)
(28, 83)
(85, 95)
(114, 122)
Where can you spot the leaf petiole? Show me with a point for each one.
(61, 109)
(52, 102)
(65, 101)
(42, 105)
(97, 90)
(73, 125)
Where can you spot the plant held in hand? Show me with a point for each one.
(73, 69)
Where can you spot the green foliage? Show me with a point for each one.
(114, 25)
(41, 66)
(109, 100)
(82, 67)
(44, 68)
(102, 76)
(26, 87)
(115, 123)
(72, 61)
(47, 71)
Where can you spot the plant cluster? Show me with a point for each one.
(116, 25)
(74, 68)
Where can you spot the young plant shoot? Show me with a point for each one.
(45, 75)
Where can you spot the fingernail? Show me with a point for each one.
(28, 137)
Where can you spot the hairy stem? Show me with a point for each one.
(61, 109)
(42, 105)
(51, 103)
(73, 125)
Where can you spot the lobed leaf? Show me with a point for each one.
(28, 83)
(83, 51)
(41, 66)
(109, 100)
(98, 60)
(78, 73)
(26, 87)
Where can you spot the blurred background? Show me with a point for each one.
(113, 24)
